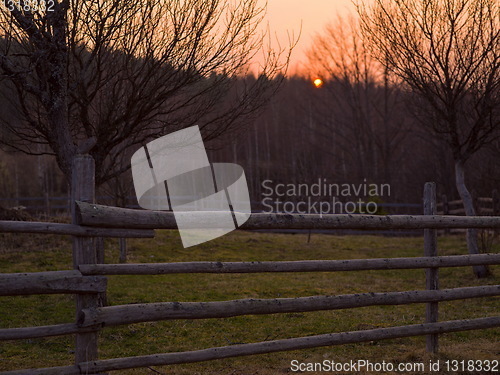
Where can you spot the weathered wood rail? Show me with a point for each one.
(148, 312)
(290, 266)
(72, 230)
(56, 282)
(113, 217)
(86, 281)
(116, 315)
(239, 350)
(42, 331)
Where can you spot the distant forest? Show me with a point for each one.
(407, 93)
(347, 133)
(343, 132)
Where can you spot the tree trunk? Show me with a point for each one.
(465, 195)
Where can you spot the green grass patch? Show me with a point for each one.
(30, 253)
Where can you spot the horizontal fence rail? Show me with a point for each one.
(233, 267)
(146, 312)
(41, 331)
(98, 215)
(273, 346)
(56, 282)
(291, 344)
(290, 266)
(71, 229)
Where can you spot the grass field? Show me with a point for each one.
(32, 253)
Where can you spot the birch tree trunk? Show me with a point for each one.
(465, 195)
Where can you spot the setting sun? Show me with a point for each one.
(318, 82)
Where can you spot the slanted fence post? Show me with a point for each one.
(431, 274)
(84, 251)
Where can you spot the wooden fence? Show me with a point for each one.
(87, 281)
(485, 206)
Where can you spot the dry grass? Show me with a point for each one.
(37, 253)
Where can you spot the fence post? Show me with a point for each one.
(431, 274)
(123, 250)
(84, 250)
(99, 251)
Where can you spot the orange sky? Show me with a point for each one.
(283, 15)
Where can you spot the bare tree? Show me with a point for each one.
(448, 53)
(102, 77)
(361, 102)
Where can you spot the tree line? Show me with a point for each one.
(379, 117)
